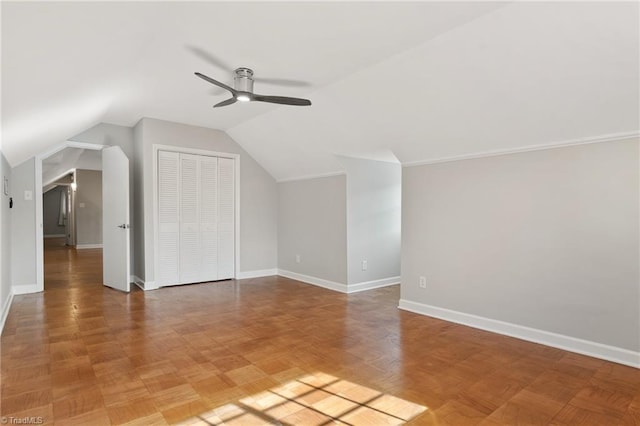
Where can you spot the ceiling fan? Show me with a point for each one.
(243, 91)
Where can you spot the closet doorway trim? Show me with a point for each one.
(194, 151)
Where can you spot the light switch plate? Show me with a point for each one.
(28, 195)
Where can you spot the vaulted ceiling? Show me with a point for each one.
(418, 80)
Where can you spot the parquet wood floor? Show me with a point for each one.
(269, 350)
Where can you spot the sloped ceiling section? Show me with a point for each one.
(68, 66)
(525, 74)
(59, 164)
(62, 162)
(423, 80)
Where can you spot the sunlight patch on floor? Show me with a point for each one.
(313, 399)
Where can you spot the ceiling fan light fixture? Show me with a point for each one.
(243, 91)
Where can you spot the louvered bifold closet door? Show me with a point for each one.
(168, 219)
(189, 219)
(226, 218)
(209, 218)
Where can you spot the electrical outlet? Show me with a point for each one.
(364, 265)
(422, 281)
(297, 258)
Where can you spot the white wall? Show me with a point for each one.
(312, 223)
(5, 239)
(374, 192)
(545, 239)
(258, 191)
(88, 207)
(334, 223)
(89, 160)
(23, 230)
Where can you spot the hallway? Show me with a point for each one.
(65, 267)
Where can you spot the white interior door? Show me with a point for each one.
(208, 218)
(195, 214)
(115, 218)
(189, 219)
(168, 218)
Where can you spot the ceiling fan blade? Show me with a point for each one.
(216, 82)
(282, 100)
(282, 82)
(216, 91)
(225, 103)
(210, 58)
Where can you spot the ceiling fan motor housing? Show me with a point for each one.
(243, 81)
(243, 91)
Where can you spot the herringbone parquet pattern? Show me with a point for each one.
(261, 350)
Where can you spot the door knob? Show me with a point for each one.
(124, 226)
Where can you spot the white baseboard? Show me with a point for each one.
(256, 274)
(144, 285)
(331, 285)
(370, 285)
(88, 246)
(342, 288)
(5, 311)
(571, 344)
(25, 289)
(55, 236)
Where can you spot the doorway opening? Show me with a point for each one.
(71, 216)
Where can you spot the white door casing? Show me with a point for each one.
(226, 216)
(39, 286)
(196, 217)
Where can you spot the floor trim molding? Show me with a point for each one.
(243, 275)
(54, 236)
(571, 344)
(331, 285)
(88, 246)
(5, 311)
(335, 286)
(144, 285)
(24, 289)
(370, 285)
